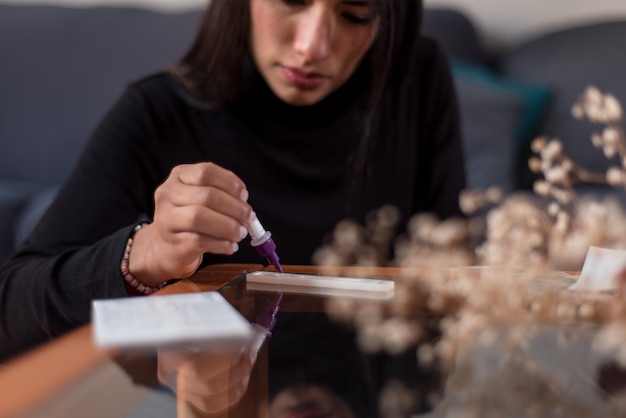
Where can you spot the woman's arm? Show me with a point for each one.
(73, 255)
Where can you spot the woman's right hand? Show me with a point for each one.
(200, 208)
(211, 378)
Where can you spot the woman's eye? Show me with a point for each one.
(357, 19)
(294, 2)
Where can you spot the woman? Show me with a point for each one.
(315, 110)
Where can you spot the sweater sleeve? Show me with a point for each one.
(73, 255)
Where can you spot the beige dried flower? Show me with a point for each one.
(598, 107)
(396, 400)
(556, 175)
(387, 217)
(515, 293)
(553, 209)
(399, 334)
(614, 176)
(597, 140)
(539, 144)
(613, 108)
(609, 151)
(542, 188)
(327, 256)
(342, 309)
(578, 112)
(561, 226)
(370, 338)
(425, 354)
(421, 226)
(592, 96)
(534, 164)
(610, 136)
(552, 151)
(449, 233)
(594, 112)
(494, 195)
(348, 235)
(469, 202)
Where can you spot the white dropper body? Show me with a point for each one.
(258, 234)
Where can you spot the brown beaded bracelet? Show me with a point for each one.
(126, 274)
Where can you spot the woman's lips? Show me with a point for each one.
(303, 79)
(309, 412)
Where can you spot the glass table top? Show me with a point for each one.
(312, 365)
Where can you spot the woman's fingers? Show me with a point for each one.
(204, 185)
(200, 208)
(211, 175)
(214, 373)
(215, 402)
(216, 200)
(213, 382)
(206, 223)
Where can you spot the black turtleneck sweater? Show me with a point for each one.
(295, 161)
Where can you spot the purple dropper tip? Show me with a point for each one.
(267, 319)
(268, 250)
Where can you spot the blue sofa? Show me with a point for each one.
(62, 68)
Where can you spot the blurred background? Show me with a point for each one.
(505, 20)
(518, 68)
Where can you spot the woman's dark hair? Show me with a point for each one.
(214, 68)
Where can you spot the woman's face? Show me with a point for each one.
(306, 49)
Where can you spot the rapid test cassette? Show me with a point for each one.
(309, 281)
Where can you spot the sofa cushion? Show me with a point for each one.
(498, 116)
(489, 120)
(455, 33)
(62, 68)
(534, 97)
(567, 61)
(14, 197)
(32, 211)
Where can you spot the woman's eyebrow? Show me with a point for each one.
(356, 2)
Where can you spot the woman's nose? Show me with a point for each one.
(313, 35)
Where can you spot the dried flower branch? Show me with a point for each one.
(560, 172)
(355, 245)
(513, 296)
(605, 109)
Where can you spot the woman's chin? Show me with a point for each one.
(300, 97)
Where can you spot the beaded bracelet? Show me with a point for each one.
(126, 274)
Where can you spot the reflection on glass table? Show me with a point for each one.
(301, 363)
(534, 371)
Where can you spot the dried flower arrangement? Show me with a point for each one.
(517, 294)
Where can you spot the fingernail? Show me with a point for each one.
(252, 217)
(243, 232)
(235, 247)
(244, 195)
